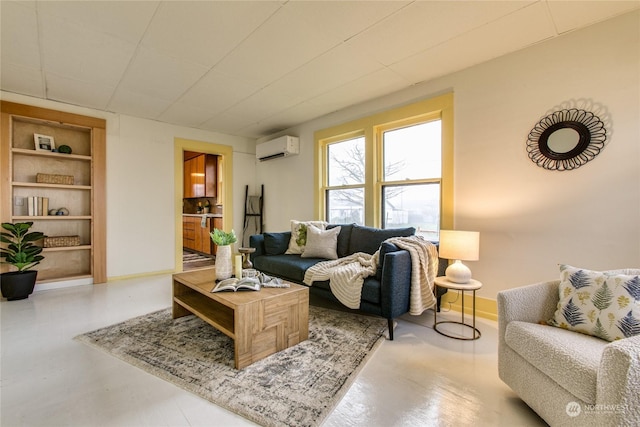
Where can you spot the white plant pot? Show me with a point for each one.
(224, 267)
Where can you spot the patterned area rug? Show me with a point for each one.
(298, 386)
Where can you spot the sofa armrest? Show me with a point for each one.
(531, 303)
(257, 241)
(395, 283)
(619, 381)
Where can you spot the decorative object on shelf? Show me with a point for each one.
(23, 254)
(64, 149)
(224, 264)
(44, 142)
(566, 139)
(61, 241)
(459, 246)
(62, 211)
(46, 178)
(246, 263)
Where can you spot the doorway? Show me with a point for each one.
(225, 154)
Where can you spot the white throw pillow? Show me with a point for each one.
(597, 303)
(321, 243)
(299, 235)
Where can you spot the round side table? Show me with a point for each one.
(473, 285)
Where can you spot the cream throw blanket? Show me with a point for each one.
(346, 275)
(424, 268)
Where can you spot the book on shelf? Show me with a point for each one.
(233, 284)
(37, 206)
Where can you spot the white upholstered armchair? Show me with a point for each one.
(567, 377)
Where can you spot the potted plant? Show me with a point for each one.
(23, 254)
(223, 240)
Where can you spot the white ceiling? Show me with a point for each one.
(252, 68)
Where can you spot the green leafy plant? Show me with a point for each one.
(21, 252)
(222, 238)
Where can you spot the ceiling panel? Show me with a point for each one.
(328, 71)
(217, 92)
(127, 21)
(85, 55)
(19, 34)
(422, 25)
(24, 80)
(204, 32)
(137, 104)
(566, 18)
(160, 76)
(526, 26)
(78, 93)
(279, 46)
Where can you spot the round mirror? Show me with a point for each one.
(563, 140)
(566, 139)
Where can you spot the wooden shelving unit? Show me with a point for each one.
(85, 198)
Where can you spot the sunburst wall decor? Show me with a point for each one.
(566, 139)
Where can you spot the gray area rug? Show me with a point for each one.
(299, 386)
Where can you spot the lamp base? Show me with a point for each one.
(458, 272)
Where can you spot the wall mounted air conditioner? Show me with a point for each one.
(280, 147)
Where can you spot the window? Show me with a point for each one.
(345, 176)
(393, 169)
(411, 174)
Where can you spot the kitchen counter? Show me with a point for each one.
(209, 215)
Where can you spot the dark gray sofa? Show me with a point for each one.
(386, 294)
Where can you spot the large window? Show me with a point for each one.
(411, 175)
(345, 176)
(394, 169)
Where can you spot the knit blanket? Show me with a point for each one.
(424, 268)
(345, 275)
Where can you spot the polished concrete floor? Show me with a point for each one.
(48, 379)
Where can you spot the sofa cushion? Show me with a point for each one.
(343, 238)
(299, 235)
(370, 289)
(569, 358)
(276, 243)
(602, 304)
(286, 266)
(321, 243)
(369, 239)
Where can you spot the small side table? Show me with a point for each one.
(473, 285)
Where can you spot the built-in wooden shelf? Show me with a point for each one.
(85, 199)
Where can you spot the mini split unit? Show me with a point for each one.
(280, 147)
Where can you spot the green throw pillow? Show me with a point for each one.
(598, 303)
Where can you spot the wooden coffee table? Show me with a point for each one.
(260, 323)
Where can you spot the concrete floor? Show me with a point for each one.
(48, 379)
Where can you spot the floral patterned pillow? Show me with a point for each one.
(602, 304)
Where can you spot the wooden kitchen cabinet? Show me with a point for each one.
(196, 237)
(200, 176)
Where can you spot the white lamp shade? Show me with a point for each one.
(459, 245)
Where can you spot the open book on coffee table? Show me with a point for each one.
(235, 284)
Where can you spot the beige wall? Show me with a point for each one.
(530, 219)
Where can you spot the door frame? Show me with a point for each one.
(226, 152)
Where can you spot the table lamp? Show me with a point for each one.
(459, 246)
